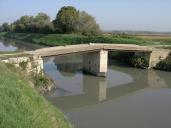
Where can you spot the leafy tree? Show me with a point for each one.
(43, 23)
(22, 24)
(5, 27)
(67, 19)
(48, 27)
(38, 24)
(42, 17)
(87, 24)
(1, 29)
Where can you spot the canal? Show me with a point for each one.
(126, 98)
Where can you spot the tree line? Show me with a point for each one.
(68, 20)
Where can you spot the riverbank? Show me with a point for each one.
(68, 39)
(163, 42)
(22, 106)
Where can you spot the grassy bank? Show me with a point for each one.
(22, 107)
(66, 39)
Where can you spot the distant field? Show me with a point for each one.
(156, 39)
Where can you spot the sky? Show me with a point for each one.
(135, 15)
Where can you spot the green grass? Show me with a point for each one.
(22, 107)
(3, 33)
(67, 39)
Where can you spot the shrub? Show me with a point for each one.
(165, 64)
(23, 64)
(139, 62)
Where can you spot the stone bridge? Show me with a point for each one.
(96, 55)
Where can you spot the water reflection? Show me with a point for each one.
(7, 47)
(95, 91)
(120, 82)
(152, 78)
(69, 64)
(15, 45)
(156, 81)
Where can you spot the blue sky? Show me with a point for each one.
(149, 15)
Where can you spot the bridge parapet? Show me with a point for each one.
(68, 49)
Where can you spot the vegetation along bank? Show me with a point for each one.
(68, 39)
(22, 106)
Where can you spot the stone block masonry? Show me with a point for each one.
(31, 64)
(96, 62)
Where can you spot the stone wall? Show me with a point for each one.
(30, 64)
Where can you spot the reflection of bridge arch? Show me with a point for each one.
(68, 65)
(95, 94)
(153, 79)
(98, 92)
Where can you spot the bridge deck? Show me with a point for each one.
(60, 50)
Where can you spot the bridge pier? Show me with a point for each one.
(157, 56)
(96, 63)
(153, 58)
